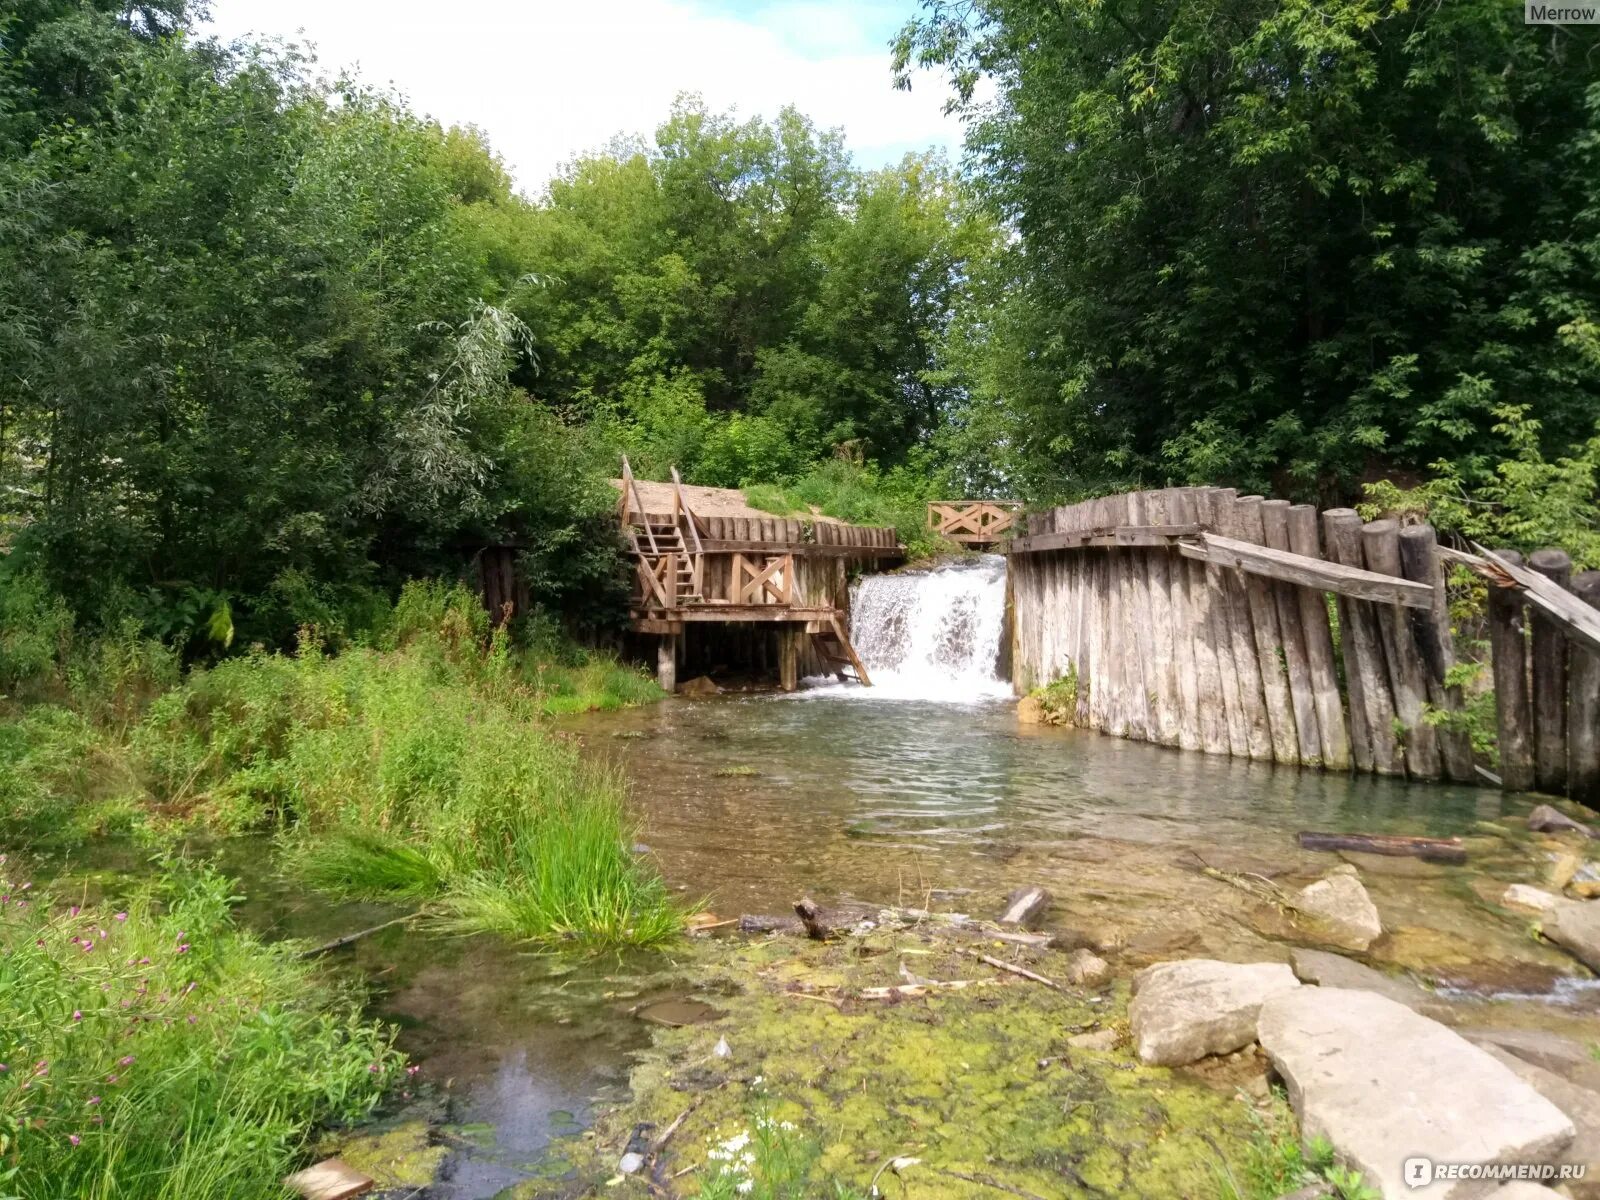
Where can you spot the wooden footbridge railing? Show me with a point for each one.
(974, 522)
(1197, 618)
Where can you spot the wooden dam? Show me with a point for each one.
(719, 584)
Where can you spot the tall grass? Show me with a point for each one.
(157, 1051)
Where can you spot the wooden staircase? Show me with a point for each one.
(834, 648)
(663, 543)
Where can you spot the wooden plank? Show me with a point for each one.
(1365, 671)
(1248, 527)
(655, 625)
(1178, 506)
(1380, 544)
(1146, 690)
(1241, 631)
(1443, 850)
(1508, 648)
(1549, 663)
(1198, 634)
(1583, 705)
(1430, 627)
(1291, 633)
(1578, 621)
(1332, 732)
(1220, 603)
(1341, 578)
(667, 662)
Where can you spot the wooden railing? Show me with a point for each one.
(972, 520)
(763, 579)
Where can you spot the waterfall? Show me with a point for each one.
(934, 634)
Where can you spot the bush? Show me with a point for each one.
(36, 629)
(159, 1051)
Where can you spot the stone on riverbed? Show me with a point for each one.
(1337, 971)
(1546, 819)
(1085, 968)
(1574, 925)
(1341, 905)
(1580, 1105)
(1527, 898)
(1384, 1084)
(1552, 1052)
(1183, 1011)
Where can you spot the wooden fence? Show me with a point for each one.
(979, 522)
(1197, 618)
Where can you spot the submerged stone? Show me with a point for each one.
(1341, 905)
(1337, 971)
(675, 1013)
(1384, 1084)
(1086, 968)
(1574, 925)
(1528, 898)
(1582, 1108)
(1183, 1011)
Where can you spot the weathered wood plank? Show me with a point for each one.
(1365, 671)
(1420, 563)
(1147, 616)
(1210, 502)
(1248, 527)
(1508, 648)
(1380, 543)
(1179, 505)
(1549, 662)
(1583, 705)
(1241, 629)
(1331, 729)
(1296, 662)
(1341, 578)
(1580, 623)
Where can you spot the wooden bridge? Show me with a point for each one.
(1197, 618)
(973, 522)
(769, 591)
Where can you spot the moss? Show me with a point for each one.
(402, 1157)
(976, 1083)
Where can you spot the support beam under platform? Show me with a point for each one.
(667, 661)
(657, 620)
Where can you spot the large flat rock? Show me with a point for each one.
(1183, 1011)
(1574, 925)
(1552, 1052)
(1582, 1108)
(1384, 1084)
(1335, 970)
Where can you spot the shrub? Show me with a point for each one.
(160, 1051)
(36, 629)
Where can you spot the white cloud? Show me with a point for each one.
(547, 80)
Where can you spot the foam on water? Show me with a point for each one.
(929, 635)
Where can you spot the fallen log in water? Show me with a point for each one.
(1440, 850)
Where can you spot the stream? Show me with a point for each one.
(923, 790)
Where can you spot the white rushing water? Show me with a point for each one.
(931, 635)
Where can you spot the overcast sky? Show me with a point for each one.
(548, 79)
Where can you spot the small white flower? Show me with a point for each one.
(744, 1186)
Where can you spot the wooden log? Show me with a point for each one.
(1269, 641)
(789, 637)
(1549, 663)
(1146, 612)
(1186, 635)
(1332, 733)
(1365, 673)
(667, 662)
(1583, 705)
(1443, 850)
(1430, 627)
(1026, 907)
(1380, 543)
(1239, 555)
(1102, 708)
(1246, 649)
(1508, 648)
(1291, 632)
(1219, 602)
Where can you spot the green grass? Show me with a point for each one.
(1277, 1163)
(861, 495)
(417, 768)
(157, 1051)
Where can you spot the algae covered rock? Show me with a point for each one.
(1341, 905)
(1184, 1011)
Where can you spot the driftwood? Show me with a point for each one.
(1001, 964)
(823, 923)
(349, 939)
(1026, 906)
(1440, 850)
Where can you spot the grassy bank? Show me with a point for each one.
(153, 1049)
(413, 766)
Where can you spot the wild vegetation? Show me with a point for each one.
(152, 1049)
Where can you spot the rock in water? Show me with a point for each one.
(1546, 819)
(1528, 898)
(330, 1179)
(1100, 1039)
(1582, 1108)
(1384, 1084)
(700, 685)
(1342, 905)
(1085, 968)
(1186, 1010)
(1574, 925)
(1025, 907)
(1337, 971)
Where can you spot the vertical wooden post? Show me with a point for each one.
(1283, 741)
(1583, 706)
(1187, 635)
(667, 662)
(1513, 705)
(788, 657)
(1419, 562)
(1146, 613)
(1550, 681)
(1220, 600)
(1380, 541)
(1291, 630)
(1331, 729)
(1364, 669)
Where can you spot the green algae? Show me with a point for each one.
(976, 1084)
(404, 1156)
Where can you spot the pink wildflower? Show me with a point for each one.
(74, 1139)
(121, 916)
